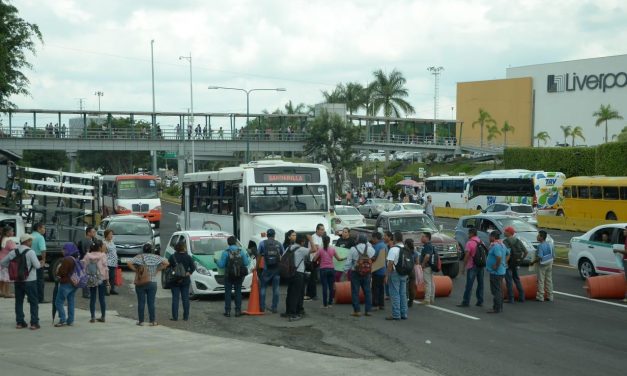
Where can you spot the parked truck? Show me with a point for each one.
(412, 225)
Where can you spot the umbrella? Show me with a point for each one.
(55, 292)
(409, 183)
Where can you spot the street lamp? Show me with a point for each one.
(99, 94)
(247, 107)
(191, 98)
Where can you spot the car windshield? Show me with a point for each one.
(137, 188)
(130, 228)
(209, 245)
(408, 224)
(413, 207)
(346, 211)
(518, 225)
(522, 209)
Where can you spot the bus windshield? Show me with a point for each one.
(290, 198)
(137, 189)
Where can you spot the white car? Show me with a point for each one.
(591, 255)
(407, 206)
(347, 216)
(378, 157)
(205, 248)
(523, 211)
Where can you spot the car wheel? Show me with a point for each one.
(164, 284)
(448, 204)
(157, 224)
(560, 213)
(451, 270)
(586, 269)
(478, 207)
(611, 216)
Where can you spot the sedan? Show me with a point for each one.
(592, 253)
(374, 206)
(130, 233)
(205, 247)
(406, 206)
(347, 216)
(523, 211)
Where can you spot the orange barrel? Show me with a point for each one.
(606, 286)
(343, 293)
(443, 287)
(529, 284)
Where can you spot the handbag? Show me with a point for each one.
(142, 274)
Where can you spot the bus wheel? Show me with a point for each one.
(560, 213)
(611, 216)
(448, 204)
(478, 207)
(157, 224)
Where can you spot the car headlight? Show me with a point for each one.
(201, 269)
(452, 247)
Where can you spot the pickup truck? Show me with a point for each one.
(412, 225)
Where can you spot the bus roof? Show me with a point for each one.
(128, 177)
(449, 177)
(620, 181)
(236, 172)
(513, 174)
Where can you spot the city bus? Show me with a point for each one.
(131, 194)
(249, 199)
(597, 197)
(540, 189)
(448, 191)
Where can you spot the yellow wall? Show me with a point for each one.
(509, 99)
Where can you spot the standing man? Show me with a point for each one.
(378, 276)
(359, 256)
(545, 268)
(518, 252)
(624, 252)
(233, 252)
(398, 283)
(296, 284)
(496, 267)
(472, 270)
(271, 251)
(28, 287)
(426, 260)
(84, 245)
(314, 244)
(429, 208)
(39, 246)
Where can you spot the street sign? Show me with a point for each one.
(421, 172)
(381, 181)
(359, 172)
(169, 155)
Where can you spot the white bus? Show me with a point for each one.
(448, 191)
(131, 194)
(250, 199)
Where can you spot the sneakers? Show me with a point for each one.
(356, 314)
(295, 318)
(21, 326)
(35, 327)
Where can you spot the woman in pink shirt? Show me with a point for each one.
(95, 263)
(6, 246)
(327, 270)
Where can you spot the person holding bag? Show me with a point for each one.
(146, 266)
(180, 270)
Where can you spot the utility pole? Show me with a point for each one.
(191, 99)
(154, 116)
(435, 71)
(99, 94)
(80, 103)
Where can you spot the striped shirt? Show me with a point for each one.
(151, 261)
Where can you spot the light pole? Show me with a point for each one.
(435, 71)
(154, 117)
(247, 107)
(99, 94)
(191, 98)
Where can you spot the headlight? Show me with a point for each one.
(201, 269)
(452, 247)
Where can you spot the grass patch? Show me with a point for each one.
(561, 252)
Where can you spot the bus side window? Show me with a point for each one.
(610, 193)
(584, 192)
(623, 193)
(595, 193)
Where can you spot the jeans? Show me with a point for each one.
(229, 285)
(267, 277)
(146, 292)
(112, 278)
(398, 295)
(411, 288)
(497, 294)
(363, 282)
(429, 288)
(511, 278)
(66, 291)
(327, 277)
(182, 291)
(28, 289)
(312, 288)
(378, 293)
(40, 284)
(295, 294)
(545, 282)
(101, 289)
(472, 274)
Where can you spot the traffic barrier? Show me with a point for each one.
(443, 287)
(453, 212)
(343, 293)
(606, 286)
(118, 277)
(529, 284)
(568, 223)
(253, 299)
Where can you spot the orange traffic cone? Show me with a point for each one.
(253, 299)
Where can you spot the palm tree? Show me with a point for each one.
(493, 131)
(336, 96)
(484, 120)
(542, 136)
(506, 128)
(604, 114)
(353, 94)
(577, 132)
(567, 129)
(388, 93)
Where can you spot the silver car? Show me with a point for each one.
(522, 211)
(374, 206)
(346, 216)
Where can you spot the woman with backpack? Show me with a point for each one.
(148, 291)
(181, 263)
(327, 270)
(95, 264)
(6, 246)
(67, 290)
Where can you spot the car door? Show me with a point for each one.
(461, 232)
(171, 244)
(602, 251)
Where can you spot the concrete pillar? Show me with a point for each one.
(72, 157)
(154, 162)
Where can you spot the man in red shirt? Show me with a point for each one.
(624, 252)
(471, 270)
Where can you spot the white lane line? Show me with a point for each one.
(592, 300)
(174, 214)
(449, 311)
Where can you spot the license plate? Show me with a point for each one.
(124, 260)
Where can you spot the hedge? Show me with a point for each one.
(607, 159)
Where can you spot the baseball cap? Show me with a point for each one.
(510, 230)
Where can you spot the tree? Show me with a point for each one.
(388, 93)
(484, 120)
(46, 159)
(542, 136)
(353, 95)
(336, 96)
(330, 139)
(493, 131)
(16, 38)
(622, 136)
(605, 114)
(567, 129)
(506, 128)
(577, 132)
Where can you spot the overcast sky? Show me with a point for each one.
(303, 46)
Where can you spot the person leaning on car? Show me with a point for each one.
(624, 252)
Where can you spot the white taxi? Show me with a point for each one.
(592, 253)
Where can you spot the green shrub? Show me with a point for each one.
(174, 190)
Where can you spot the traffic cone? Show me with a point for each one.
(253, 299)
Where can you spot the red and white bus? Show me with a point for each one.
(131, 194)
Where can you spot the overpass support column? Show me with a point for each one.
(72, 157)
(154, 162)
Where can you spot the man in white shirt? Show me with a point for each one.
(397, 282)
(360, 280)
(315, 243)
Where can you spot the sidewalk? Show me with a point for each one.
(120, 346)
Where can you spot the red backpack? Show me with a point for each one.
(364, 263)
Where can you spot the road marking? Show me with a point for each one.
(174, 214)
(449, 311)
(592, 300)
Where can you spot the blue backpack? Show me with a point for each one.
(79, 275)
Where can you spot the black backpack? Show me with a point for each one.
(287, 268)
(481, 254)
(272, 253)
(18, 267)
(235, 268)
(517, 252)
(405, 263)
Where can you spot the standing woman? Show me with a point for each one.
(181, 286)
(154, 264)
(6, 245)
(97, 255)
(290, 238)
(67, 291)
(327, 270)
(112, 259)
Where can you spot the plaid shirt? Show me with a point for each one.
(151, 261)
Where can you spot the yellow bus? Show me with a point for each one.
(596, 197)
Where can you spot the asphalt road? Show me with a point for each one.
(570, 336)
